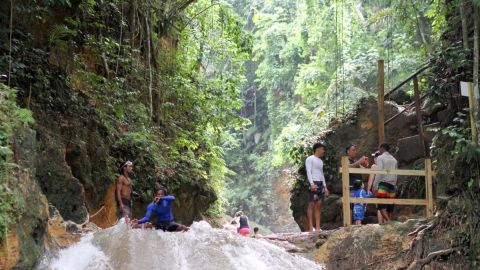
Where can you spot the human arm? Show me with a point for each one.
(325, 191)
(364, 194)
(147, 215)
(167, 198)
(309, 167)
(357, 163)
(371, 178)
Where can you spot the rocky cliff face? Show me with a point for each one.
(360, 128)
(26, 239)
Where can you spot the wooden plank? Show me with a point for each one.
(381, 101)
(404, 110)
(347, 219)
(471, 106)
(390, 201)
(379, 171)
(407, 80)
(418, 110)
(428, 187)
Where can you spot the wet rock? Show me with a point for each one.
(71, 227)
(62, 189)
(303, 242)
(26, 238)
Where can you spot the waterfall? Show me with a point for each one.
(202, 247)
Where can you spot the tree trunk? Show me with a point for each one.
(476, 57)
(463, 16)
(150, 94)
(419, 26)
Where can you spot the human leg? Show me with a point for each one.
(309, 215)
(380, 217)
(318, 211)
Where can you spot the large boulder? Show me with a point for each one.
(410, 149)
(408, 245)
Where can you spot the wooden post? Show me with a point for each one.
(416, 94)
(381, 99)
(471, 100)
(429, 187)
(347, 219)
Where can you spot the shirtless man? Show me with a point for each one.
(124, 191)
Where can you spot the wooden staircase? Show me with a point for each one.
(419, 142)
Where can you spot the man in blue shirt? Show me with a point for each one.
(161, 208)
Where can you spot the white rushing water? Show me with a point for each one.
(202, 247)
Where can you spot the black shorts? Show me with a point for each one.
(319, 192)
(169, 226)
(127, 208)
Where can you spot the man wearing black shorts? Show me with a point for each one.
(318, 186)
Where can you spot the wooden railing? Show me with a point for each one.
(346, 199)
(417, 102)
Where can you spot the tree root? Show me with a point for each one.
(419, 263)
(419, 228)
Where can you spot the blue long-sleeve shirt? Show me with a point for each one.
(162, 210)
(361, 193)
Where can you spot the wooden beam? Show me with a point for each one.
(420, 70)
(429, 187)
(404, 110)
(347, 218)
(471, 105)
(390, 201)
(418, 110)
(381, 101)
(380, 171)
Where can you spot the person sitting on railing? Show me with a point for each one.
(359, 208)
(384, 185)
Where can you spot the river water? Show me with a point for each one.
(202, 247)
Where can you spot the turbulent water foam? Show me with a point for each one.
(200, 248)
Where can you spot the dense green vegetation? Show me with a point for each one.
(232, 92)
(160, 80)
(312, 61)
(12, 118)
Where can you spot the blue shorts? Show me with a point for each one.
(358, 212)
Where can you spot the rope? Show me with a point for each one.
(388, 50)
(10, 44)
(102, 208)
(343, 63)
(336, 57)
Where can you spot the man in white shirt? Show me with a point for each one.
(318, 186)
(385, 184)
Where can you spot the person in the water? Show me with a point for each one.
(244, 228)
(124, 191)
(161, 207)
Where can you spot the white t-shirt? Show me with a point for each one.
(314, 166)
